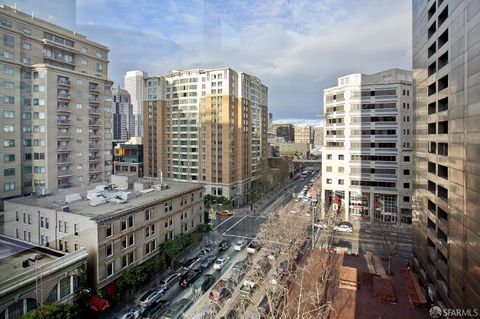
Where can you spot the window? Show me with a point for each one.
(8, 187)
(406, 172)
(406, 199)
(406, 158)
(75, 229)
(8, 41)
(8, 128)
(8, 70)
(9, 143)
(341, 157)
(84, 61)
(8, 54)
(109, 249)
(6, 23)
(406, 185)
(9, 172)
(340, 182)
(99, 55)
(329, 169)
(99, 67)
(9, 158)
(109, 269)
(130, 220)
(109, 231)
(148, 214)
(8, 99)
(26, 46)
(329, 181)
(8, 84)
(84, 50)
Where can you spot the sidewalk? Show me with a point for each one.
(121, 307)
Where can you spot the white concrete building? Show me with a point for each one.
(134, 84)
(116, 235)
(367, 148)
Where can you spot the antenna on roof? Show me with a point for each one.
(15, 7)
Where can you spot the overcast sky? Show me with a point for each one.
(297, 48)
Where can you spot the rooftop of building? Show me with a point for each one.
(13, 253)
(108, 210)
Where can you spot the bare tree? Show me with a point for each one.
(390, 237)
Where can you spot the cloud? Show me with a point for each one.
(296, 47)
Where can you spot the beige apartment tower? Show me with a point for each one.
(446, 210)
(208, 126)
(55, 107)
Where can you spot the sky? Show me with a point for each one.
(296, 47)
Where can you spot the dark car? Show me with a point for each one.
(203, 283)
(224, 245)
(156, 309)
(192, 263)
(207, 261)
(189, 278)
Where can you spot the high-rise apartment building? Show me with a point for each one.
(446, 73)
(367, 150)
(302, 134)
(134, 84)
(207, 125)
(56, 126)
(122, 118)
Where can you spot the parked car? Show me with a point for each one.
(189, 277)
(343, 228)
(321, 225)
(169, 281)
(240, 244)
(192, 263)
(247, 287)
(220, 291)
(176, 310)
(150, 296)
(238, 271)
(133, 313)
(224, 245)
(207, 261)
(253, 247)
(220, 262)
(205, 251)
(156, 309)
(203, 283)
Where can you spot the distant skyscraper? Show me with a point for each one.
(134, 84)
(56, 124)
(210, 126)
(123, 119)
(367, 153)
(446, 210)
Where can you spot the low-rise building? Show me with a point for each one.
(32, 275)
(118, 234)
(128, 157)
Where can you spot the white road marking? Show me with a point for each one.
(223, 222)
(235, 224)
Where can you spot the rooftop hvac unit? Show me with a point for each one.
(97, 201)
(71, 198)
(42, 192)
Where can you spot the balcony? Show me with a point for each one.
(94, 112)
(63, 108)
(63, 135)
(63, 148)
(93, 146)
(94, 123)
(62, 184)
(94, 171)
(94, 158)
(93, 101)
(63, 160)
(65, 83)
(63, 122)
(64, 97)
(93, 136)
(64, 173)
(93, 89)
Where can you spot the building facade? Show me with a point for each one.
(284, 130)
(128, 157)
(134, 85)
(446, 210)
(123, 121)
(56, 126)
(367, 150)
(208, 126)
(302, 134)
(116, 236)
(32, 275)
(318, 136)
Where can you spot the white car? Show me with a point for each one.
(150, 296)
(240, 244)
(343, 229)
(321, 225)
(306, 199)
(220, 262)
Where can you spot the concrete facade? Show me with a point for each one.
(53, 277)
(446, 73)
(367, 150)
(284, 130)
(302, 134)
(56, 128)
(116, 236)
